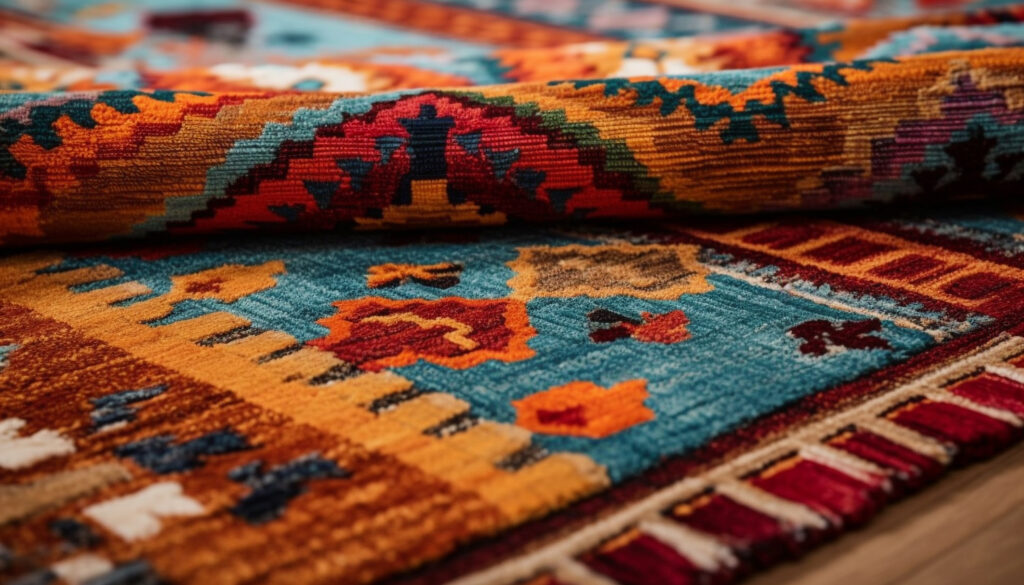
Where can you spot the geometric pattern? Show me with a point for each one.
(212, 412)
(652, 272)
(496, 292)
(471, 332)
(574, 150)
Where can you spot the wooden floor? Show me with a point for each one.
(967, 529)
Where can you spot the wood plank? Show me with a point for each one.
(991, 557)
(967, 528)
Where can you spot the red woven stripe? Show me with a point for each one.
(757, 537)
(643, 560)
(910, 469)
(975, 434)
(832, 493)
(994, 391)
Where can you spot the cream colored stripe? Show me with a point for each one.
(1008, 372)
(839, 460)
(905, 437)
(788, 511)
(996, 413)
(701, 549)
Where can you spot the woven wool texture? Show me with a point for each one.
(496, 292)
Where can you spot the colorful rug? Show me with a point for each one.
(491, 291)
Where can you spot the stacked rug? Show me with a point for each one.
(484, 292)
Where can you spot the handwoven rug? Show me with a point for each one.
(559, 292)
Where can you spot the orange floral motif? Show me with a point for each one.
(377, 333)
(585, 409)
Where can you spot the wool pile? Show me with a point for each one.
(570, 292)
